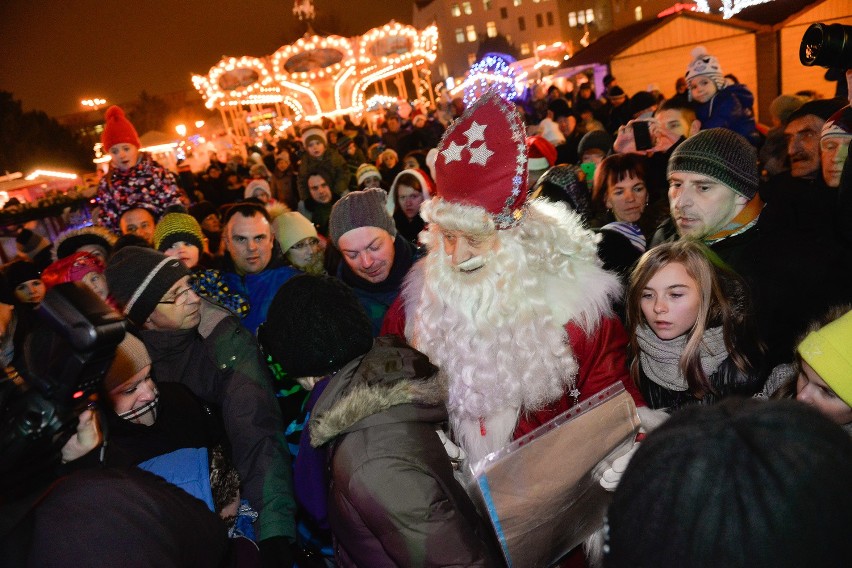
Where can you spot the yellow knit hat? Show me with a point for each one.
(829, 351)
(175, 227)
(292, 227)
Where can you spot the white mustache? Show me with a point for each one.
(472, 264)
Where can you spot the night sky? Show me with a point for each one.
(55, 53)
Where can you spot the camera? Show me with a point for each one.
(827, 46)
(55, 374)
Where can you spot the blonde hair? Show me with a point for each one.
(722, 302)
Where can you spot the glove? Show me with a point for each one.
(275, 552)
(612, 476)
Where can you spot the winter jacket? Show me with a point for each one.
(220, 362)
(393, 498)
(147, 184)
(333, 164)
(730, 108)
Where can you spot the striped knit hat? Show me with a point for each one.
(174, 227)
(721, 154)
(139, 277)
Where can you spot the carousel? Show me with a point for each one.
(321, 77)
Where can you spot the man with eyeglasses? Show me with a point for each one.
(203, 346)
(254, 264)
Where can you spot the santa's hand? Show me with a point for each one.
(86, 439)
(612, 476)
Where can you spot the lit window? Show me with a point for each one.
(516, 2)
(491, 29)
(471, 33)
(550, 18)
(638, 13)
(459, 35)
(504, 13)
(486, 4)
(572, 19)
(525, 49)
(581, 17)
(522, 23)
(539, 21)
(455, 10)
(590, 16)
(466, 8)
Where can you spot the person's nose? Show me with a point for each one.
(461, 252)
(366, 259)
(660, 306)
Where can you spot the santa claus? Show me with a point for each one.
(511, 302)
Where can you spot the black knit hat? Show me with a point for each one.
(595, 140)
(314, 326)
(139, 277)
(822, 108)
(721, 154)
(641, 101)
(20, 271)
(740, 483)
(559, 107)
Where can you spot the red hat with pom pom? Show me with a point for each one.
(118, 129)
(542, 154)
(482, 160)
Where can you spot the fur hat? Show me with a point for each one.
(315, 326)
(71, 241)
(839, 124)
(739, 483)
(366, 171)
(71, 268)
(360, 209)
(118, 130)
(314, 132)
(174, 227)
(705, 65)
(542, 154)
(482, 160)
(426, 185)
(595, 140)
(130, 358)
(138, 278)
(19, 271)
(721, 154)
(257, 185)
(828, 351)
(291, 227)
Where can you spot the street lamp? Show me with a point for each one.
(181, 130)
(94, 104)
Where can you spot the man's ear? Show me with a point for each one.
(740, 200)
(694, 127)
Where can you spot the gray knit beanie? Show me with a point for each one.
(139, 277)
(360, 209)
(721, 154)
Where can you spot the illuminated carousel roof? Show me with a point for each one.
(319, 75)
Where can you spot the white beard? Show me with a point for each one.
(498, 333)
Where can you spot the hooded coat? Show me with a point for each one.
(393, 499)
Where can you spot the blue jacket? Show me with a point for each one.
(260, 289)
(730, 108)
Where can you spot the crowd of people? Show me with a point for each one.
(325, 331)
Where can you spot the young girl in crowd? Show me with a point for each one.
(82, 267)
(719, 105)
(409, 190)
(690, 329)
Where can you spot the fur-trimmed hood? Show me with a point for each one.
(391, 377)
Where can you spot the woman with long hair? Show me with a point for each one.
(690, 328)
(409, 190)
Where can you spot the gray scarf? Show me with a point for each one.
(660, 359)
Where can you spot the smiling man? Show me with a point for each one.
(376, 258)
(254, 266)
(195, 342)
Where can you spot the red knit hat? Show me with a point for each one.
(118, 129)
(542, 154)
(482, 160)
(72, 268)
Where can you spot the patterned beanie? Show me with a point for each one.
(118, 129)
(130, 358)
(174, 227)
(71, 268)
(721, 154)
(705, 65)
(315, 326)
(139, 277)
(839, 124)
(360, 209)
(829, 351)
(366, 171)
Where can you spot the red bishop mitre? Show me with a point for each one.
(482, 160)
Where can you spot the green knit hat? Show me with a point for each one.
(174, 227)
(721, 154)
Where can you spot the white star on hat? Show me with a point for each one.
(480, 154)
(452, 152)
(475, 133)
